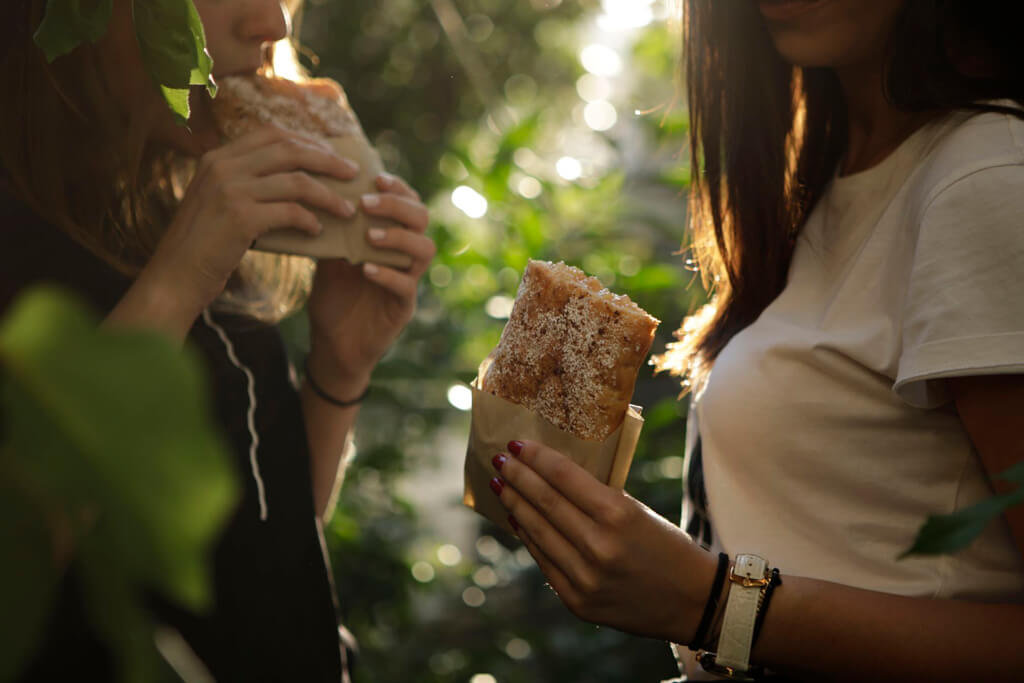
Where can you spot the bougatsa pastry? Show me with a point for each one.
(570, 351)
(315, 107)
(318, 108)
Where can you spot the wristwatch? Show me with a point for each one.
(748, 579)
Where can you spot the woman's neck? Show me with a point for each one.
(876, 127)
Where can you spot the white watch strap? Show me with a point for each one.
(741, 612)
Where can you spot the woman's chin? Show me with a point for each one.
(806, 51)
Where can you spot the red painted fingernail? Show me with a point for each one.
(514, 447)
(497, 485)
(513, 522)
(499, 460)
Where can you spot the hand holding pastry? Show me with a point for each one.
(611, 559)
(357, 311)
(249, 186)
(562, 374)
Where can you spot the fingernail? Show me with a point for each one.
(387, 179)
(499, 460)
(497, 485)
(351, 165)
(370, 200)
(370, 269)
(348, 209)
(513, 522)
(376, 234)
(514, 447)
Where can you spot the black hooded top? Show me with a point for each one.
(275, 616)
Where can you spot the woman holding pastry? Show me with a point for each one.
(92, 198)
(859, 369)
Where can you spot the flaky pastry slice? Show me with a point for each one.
(570, 351)
(316, 107)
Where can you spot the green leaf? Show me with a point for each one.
(177, 100)
(166, 41)
(29, 578)
(173, 47)
(69, 23)
(1014, 474)
(117, 423)
(949, 533)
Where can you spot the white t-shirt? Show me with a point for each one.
(826, 438)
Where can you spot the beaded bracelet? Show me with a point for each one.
(712, 604)
(330, 399)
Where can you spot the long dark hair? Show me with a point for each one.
(766, 138)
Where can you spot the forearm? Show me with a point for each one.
(154, 302)
(329, 430)
(825, 631)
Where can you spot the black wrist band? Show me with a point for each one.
(712, 604)
(330, 399)
(774, 581)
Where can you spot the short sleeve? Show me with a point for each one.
(964, 309)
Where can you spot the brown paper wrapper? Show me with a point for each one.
(496, 421)
(343, 237)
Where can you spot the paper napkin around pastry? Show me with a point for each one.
(343, 237)
(495, 422)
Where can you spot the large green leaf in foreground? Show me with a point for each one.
(109, 444)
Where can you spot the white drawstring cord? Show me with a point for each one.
(250, 415)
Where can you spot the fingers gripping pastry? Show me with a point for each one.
(571, 350)
(317, 108)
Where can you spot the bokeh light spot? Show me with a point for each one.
(469, 201)
(569, 168)
(460, 397)
(600, 60)
(423, 572)
(473, 596)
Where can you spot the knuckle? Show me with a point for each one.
(587, 584)
(295, 213)
(605, 552)
(302, 183)
(617, 514)
(548, 501)
(560, 471)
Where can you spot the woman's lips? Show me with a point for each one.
(782, 10)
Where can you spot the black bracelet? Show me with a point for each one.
(774, 581)
(712, 604)
(330, 399)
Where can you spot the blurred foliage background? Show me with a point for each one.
(542, 129)
(545, 129)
